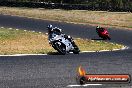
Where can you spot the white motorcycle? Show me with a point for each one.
(62, 44)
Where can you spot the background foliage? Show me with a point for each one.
(96, 3)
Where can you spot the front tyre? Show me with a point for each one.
(60, 47)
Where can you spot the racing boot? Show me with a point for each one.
(71, 40)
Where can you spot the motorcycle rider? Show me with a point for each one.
(99, 29)
(53, 30)
(58, 31)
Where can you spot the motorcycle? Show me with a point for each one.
(103, 33)
(62, 44)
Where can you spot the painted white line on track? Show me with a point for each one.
(103, 50)
(86, 51)
(123, 48)
(10, 28)
(25, 55)
(2, 27)
(84, 85)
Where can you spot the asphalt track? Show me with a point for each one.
(59, 71)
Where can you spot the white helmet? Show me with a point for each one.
(50, 26)
(98, 27)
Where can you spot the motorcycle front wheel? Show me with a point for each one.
(60, 47)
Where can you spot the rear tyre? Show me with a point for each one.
(104, 38)
(108, 38)
(76, 50)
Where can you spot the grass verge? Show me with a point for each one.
(115, 19)
(26, 42)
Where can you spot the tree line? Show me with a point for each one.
(97, 3)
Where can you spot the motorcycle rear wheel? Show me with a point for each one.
(76, 50)
(108, 38)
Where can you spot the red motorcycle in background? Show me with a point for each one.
(103, 33)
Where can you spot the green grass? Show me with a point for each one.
(26, 42)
